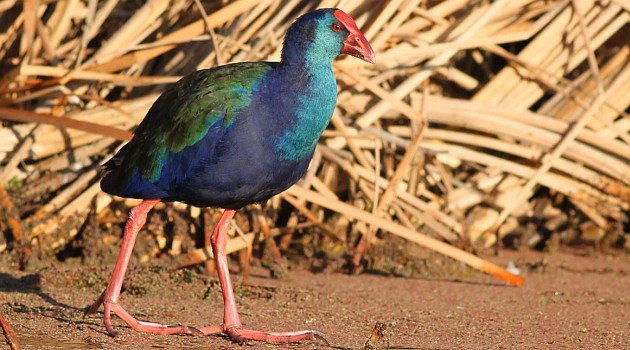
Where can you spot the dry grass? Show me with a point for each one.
(524, 101)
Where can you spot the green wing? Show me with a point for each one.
(184, 114)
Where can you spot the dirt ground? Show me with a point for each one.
(569, 301)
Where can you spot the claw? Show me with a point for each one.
(193, 331)
(320, 336)
(235, 336)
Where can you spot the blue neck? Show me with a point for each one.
(311, 78)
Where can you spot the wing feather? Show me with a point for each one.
(180, 118)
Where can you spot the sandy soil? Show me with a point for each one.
(568, 302)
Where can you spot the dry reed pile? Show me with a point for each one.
(479, 120)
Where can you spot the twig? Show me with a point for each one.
(310, 216)
(192, 30)
(549, 159)
(21, 115)
(9, 334)
(391, 191)
(200, 255)
(399, 230)
(15, 224)
(213, 36)
(18, 156)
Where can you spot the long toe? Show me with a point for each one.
(107, 318)
(241, 335)
(149, 327)
(213, 329)
(134, 323)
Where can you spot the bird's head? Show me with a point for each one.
(325, 34)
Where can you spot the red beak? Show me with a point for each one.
(355, 44)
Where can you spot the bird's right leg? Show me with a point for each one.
(232, 326)
(109, 299)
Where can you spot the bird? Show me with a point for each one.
(227, 137)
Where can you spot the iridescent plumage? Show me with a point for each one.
(235, 134)
(227, 137)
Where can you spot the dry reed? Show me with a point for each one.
(525, 101)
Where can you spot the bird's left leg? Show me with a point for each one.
(232, 325)
(109, 298)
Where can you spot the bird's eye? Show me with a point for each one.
(336, 27)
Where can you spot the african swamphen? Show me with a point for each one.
(227, 137)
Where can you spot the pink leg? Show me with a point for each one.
(109, 298)
(232, 326)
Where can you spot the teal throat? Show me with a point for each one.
(312, 114)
